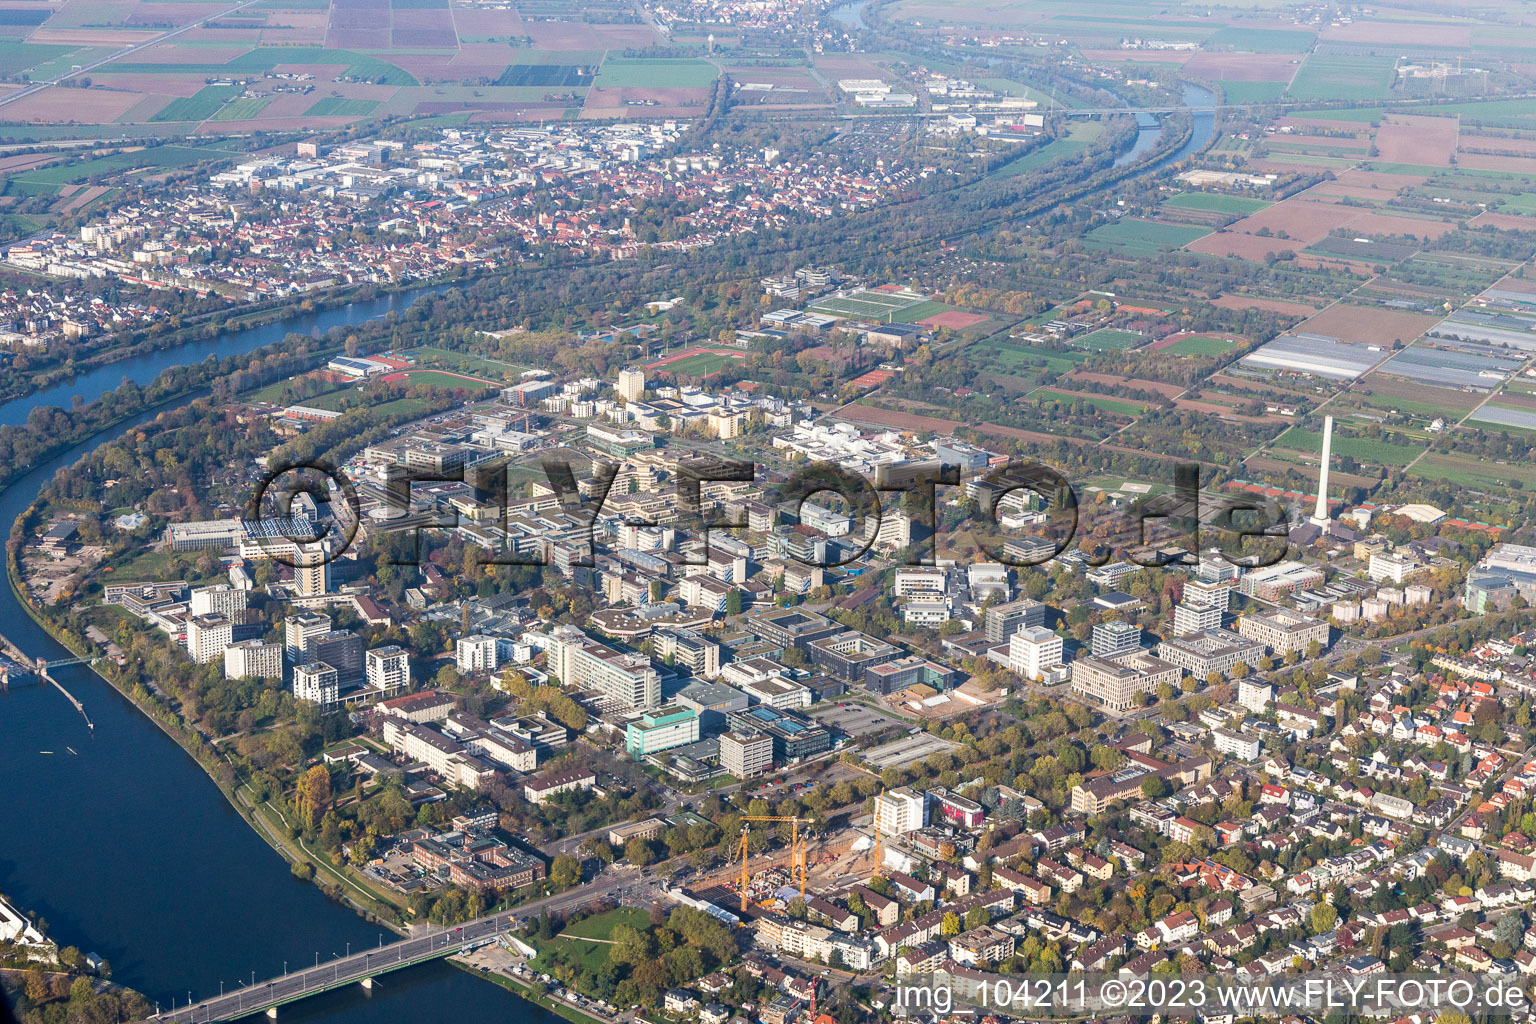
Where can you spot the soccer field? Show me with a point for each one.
(864, 304)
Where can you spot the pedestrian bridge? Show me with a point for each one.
(358, 968)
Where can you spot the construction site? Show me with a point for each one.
(814, 864)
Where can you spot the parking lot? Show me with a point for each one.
(852, 719)
(907, 750)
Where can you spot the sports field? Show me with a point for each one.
(867, 305)
(1199, 345)
(1110, 340)
(697, 362)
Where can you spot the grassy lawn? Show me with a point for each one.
(1116, 406)
(1214, 202)
(701, 365)
(466, 363)
(1470, 472)
(601, 926)
(433, 378)
(1078, 138)
(912, 314)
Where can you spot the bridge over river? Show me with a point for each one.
(265, 996)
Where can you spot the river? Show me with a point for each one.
(1202, 103)
(129, 850)
(93, 383)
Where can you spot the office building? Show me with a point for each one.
(1212, 650)
(746, 754)
(631, 385)
(693, 651)
(626, 681)
(1195, 618)
(849, 655)
(1032, 650)
(899, 811)
(794, 736)
(661, 730)
(219, 599)
(1116, 682)
(1283, 630)
(1112, 639)
(342, 650)
(713, 702)
(1004, 620)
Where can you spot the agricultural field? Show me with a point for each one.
(1363, 449)
(1079, 137)
(1131, 236)
(1215, 202)
(1343, 78)
(1259, 40)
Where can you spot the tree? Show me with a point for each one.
(1324, 917)
(950, 926)
(733, 602)
(565, 871)
(976, 917)
(313, 794)
(639, 853)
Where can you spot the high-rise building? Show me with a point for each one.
(625, 680)
(659, 731)
(208, 636)
(476, 654)
(1189, 618)
(316, 681)
(1032, 650)
(1112, 639)
(219, 599)
(746, 754)
(900, 811)
(388, 668)
(1203, 594)
(1004, 620)
(297, 630)
(253, 659)
(312, 577)
(631, 385)
(342, 650)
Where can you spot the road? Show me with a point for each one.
(37, 87)
(356, 966)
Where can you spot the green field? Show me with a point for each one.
(702, 364)
(1469, 472)
(200, 106)
(1016, 357)
(1366, 449)
(465, 363)
(656, 73)
(1078, 139)
(1214, 202)
(912, 314)
(1252, 92)
(160, 157)
(1110, 340)
(340, 106)
(600, 926)
(1133, 236)
(1114, 406)
(242, 109)
(1260, 40)
(1199, 345)
(436, 379)
(16, 57)
(864, 304)
(1343, 78)
(265, 58)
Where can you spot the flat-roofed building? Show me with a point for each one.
(1116, 682)
(1032, 650)
(208, 636)
(253, 659)
(794, 737)
(901, 810)
(746, 754)
(1274, 582)
(848, 655)
(1214, 650)
(316, 681)
(1004, 620)
(297, 631)
(661, 730)
(713, 701)
(444, 756)
(694, 651)
(1283, 630)
(625, 680)
(1191, 618)
(1112, 639)
(388, 668)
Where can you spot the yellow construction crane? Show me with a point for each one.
(796, 849)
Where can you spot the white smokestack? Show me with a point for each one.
(1320, 516)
